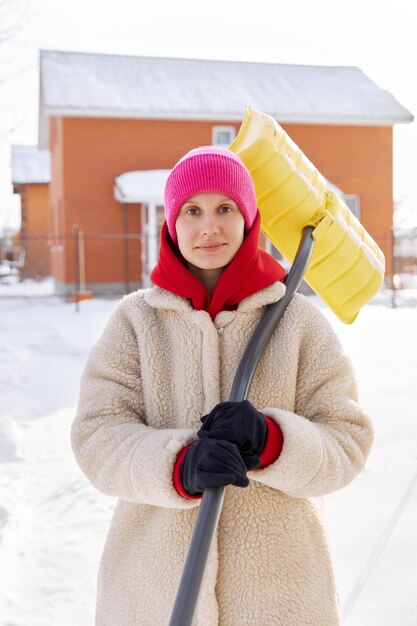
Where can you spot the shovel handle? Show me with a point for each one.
(212, 500)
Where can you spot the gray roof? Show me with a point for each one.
(74, 83)
(30, 165)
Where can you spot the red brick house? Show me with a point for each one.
(31, 175)
(102, 116)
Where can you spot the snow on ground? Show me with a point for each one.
(53, 523)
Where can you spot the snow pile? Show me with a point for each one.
(53, 523)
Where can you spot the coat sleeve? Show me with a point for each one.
(117, 451)
(328, 437)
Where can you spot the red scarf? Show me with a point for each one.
(250, 270)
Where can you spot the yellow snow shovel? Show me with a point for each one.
(327, 245)
(347, 267)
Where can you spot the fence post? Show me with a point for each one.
(393, 267)
(126, 248)
(76, 240)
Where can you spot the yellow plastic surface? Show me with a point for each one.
(347, 267)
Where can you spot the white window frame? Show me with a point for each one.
(222, 129)
(353, 202)
(152, 215)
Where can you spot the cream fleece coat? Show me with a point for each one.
(160, 366)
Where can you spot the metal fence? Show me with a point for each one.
(78, 256)
(30, 257)
(404, 265)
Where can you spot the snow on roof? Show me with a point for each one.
(30, 165)
(97, 85)
(141, 186)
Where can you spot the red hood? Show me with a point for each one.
(250, 270)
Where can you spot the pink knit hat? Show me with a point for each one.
(209, 169)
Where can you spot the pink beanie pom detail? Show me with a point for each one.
(209, 168)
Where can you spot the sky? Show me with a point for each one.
(53, 523)
(379, 37)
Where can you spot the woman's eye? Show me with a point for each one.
(192, 210)
(225, 209)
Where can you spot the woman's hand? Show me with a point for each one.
(212, 463)
(241, 424)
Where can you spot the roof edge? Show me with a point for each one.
(45, 51)
(285, 118)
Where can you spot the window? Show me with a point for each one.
(223, 136)
(152, 217)
(354, 203)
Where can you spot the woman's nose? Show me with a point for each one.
(210, 225)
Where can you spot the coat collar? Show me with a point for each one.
(159, 298)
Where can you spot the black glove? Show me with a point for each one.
(212, 463)
(241, 424)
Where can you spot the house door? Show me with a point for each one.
(152, 217)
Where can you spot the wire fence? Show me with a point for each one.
(113, 264)
(110, 264)
(404, 267)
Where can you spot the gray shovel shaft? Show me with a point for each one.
(212, 501)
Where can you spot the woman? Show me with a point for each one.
(153, 427)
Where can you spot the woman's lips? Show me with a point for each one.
(210, 247)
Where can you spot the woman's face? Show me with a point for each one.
(210, 230)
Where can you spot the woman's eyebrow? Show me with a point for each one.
(227, 199)
(192, 199)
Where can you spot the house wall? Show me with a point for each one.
(86, 158)
(34, 229)
(359, 160)
(87, 153)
